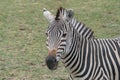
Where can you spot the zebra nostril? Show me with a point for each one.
(51, 62)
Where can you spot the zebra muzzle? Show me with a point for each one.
(51, 62)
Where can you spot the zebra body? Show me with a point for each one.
(85, 57)
(97, 59)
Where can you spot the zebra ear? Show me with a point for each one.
(70, 13)
(48, 15)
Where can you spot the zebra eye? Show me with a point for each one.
(64, 34)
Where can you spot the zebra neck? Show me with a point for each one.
(81, 28)
(75, 60)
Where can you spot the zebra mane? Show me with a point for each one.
(58, 14)
(80, 27)
(64, 14)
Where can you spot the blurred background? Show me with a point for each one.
(22, 39)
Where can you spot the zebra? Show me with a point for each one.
(85, 57)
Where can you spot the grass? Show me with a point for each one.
(22, 38)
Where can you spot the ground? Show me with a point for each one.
(22, 39)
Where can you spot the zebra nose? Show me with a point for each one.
(52, 52)
(51, 62)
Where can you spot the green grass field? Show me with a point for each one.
(22, 38)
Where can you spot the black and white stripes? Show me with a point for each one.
(84, 31)
(85, 57)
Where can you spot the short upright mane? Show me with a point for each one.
(58, 13)
(82, 29)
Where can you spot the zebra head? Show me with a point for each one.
(58, 36)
